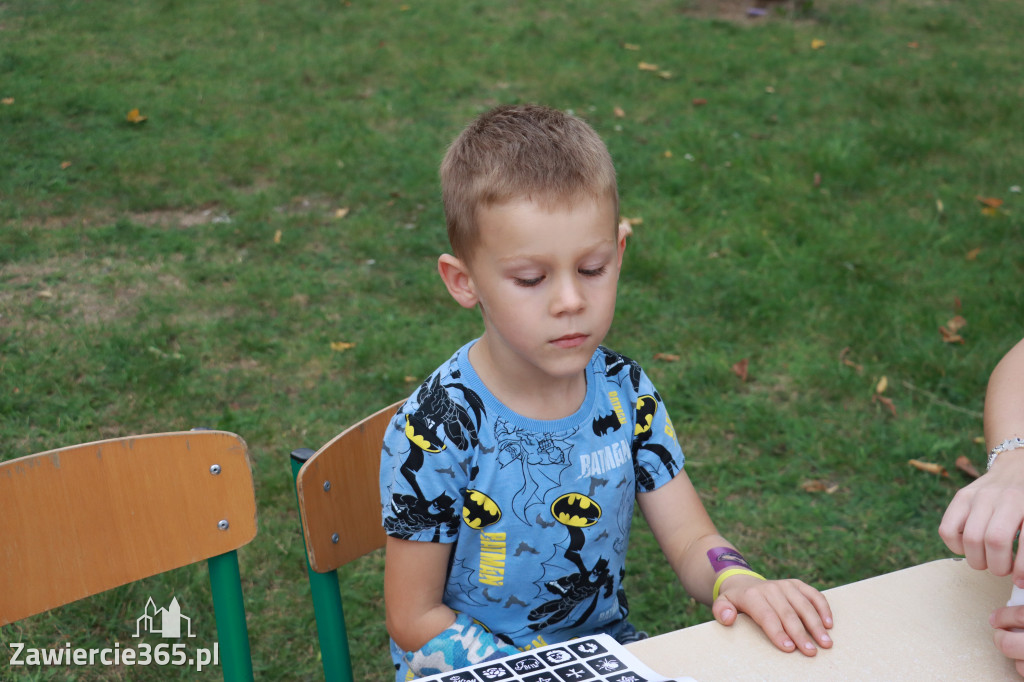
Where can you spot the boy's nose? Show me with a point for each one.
(568, 298)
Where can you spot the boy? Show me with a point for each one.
(508, 479)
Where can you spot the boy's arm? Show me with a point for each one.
(414, 577)
(792, 614)
(435, 638)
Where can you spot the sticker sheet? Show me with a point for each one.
(587, 659)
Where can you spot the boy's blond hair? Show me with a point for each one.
(522, 152)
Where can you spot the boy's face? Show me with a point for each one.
(545, 280)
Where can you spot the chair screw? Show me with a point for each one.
(215, 469)
(335, 538)
(223, 524)
(327, 486)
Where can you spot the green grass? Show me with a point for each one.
(821, 200)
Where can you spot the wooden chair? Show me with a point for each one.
(87, 518)
(338, 494)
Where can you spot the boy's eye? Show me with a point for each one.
(593, 272)
(527, 281)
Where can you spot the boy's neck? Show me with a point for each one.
(546, 399)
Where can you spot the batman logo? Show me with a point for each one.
(575, 509)
(646, 406)
(605, 423)
(420, 435)
(479, 511)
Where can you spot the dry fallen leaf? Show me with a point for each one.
(990, 206)
(666, 357)
(134, 116)
(956, 323)
(887, 402)
(973, 254)
(929, 467)
(817, 44)
(277, 237)
(740, 369)
(341, 212)
(64, 165)
(950, 332)
(625, 227)
(644, 66)
(630, 46)
(618, 112)
(699, 102)
(819, 486)
(883, 384)
(409, 378)
(964, 464)
(844, 358)
(7, 101)
(341, 346)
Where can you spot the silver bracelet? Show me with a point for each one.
(1005, 446)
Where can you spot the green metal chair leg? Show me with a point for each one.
(232, 632)
(330, 616)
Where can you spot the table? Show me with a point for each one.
(927, 622)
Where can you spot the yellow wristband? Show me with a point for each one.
(728, 574)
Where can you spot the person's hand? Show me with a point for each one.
(1011, 644)
(984, 518)
(794, 615)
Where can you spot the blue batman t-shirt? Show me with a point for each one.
(539, 511)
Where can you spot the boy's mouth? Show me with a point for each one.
(569, 340)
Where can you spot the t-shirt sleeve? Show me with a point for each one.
(422, 475)
(657, 456)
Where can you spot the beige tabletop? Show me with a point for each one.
(927, 622)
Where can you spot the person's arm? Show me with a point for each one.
(984, 517)
(414, 576)
(435, 638)
(792, 614)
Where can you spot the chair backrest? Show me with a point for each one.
(87, 518)
(338, 493)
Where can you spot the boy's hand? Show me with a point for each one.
(794, 615)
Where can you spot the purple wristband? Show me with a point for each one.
(722, 558)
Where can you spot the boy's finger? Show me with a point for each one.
(811, 619)
(820, 604)
(799, 618)
(724, 611)
(764, 612)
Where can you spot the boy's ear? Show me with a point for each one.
(457, 279)
(622, 243)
